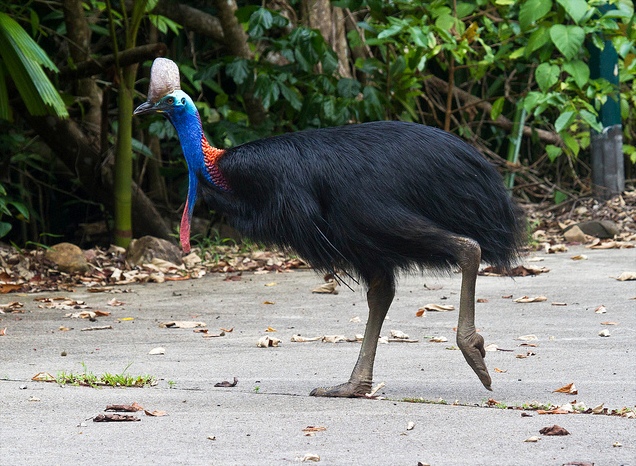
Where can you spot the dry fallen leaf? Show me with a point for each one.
(534, 438)
(157, 350)
(3, 331)
(310, 431)
(115, 418)
(438, 340)
(527, 299)
(569, 388)
(398, 334)
(579, 257)
(270, 329)
(327, 288)
(375, 390)
(551, 249)
(491, 347)
(101, 327)
(226, 383)
(626, 276)
(501, 371)
(554, 430)
(301, 339)
(333, 338)
(601, 309)
(609, 323)
(310, 457)
(604, 333)
(530, 337)
(43, 377)
(435, 308)
(598, 409)
(617, 444)
(410, 425)
(267, 342)
(269, 302)
(125, 408)
(182, 324)
(155, 413)
(355, 319)
(558, 410)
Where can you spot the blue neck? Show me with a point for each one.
(186, 120)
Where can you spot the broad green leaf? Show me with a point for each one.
(568, 39)
(559, 196)
(419, 37)
(537, 39)
(575, 8)
(393, 30)
(532, 11)
(579, 71)
(5, 228)
(238, 70)
(291, 96)
(546, 75)
(260, 21)
(21, 208)
(553, 152)
(591, 120)
(348, 88)
(563, 121)
(571, 143)
(497, 108)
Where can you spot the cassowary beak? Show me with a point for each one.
(147, 107)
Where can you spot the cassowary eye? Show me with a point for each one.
(170, 100)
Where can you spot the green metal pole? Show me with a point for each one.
(608, 164)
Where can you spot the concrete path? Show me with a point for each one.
(261, 420)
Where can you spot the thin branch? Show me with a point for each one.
(127, 57)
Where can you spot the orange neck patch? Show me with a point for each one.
(211, 157)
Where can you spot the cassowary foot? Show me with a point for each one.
(472, 347)
(344, 390)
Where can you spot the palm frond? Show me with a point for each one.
(23, 60)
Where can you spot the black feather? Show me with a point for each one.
(369, 199)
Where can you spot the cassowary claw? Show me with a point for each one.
(344, 390)
(472, 347)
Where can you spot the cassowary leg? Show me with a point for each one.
(379, 298)
(468, 340)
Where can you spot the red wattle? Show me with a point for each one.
(184, 231)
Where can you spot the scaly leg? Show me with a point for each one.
(468, 340)
(379, 298)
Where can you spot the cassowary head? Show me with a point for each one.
(166, 97)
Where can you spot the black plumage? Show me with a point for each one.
(372, 198)
(368, 200)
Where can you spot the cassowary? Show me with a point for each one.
(368, 200)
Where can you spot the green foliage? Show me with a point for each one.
(22, 60)
(18, 209)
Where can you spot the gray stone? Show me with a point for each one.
(145, 249)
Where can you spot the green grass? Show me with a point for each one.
(89, 379)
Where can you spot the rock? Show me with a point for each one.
(602, 229)
(68, 258)
(574, 235)
(145, 249)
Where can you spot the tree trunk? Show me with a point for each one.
(318, 14)
(236, 40)
(79, 40)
